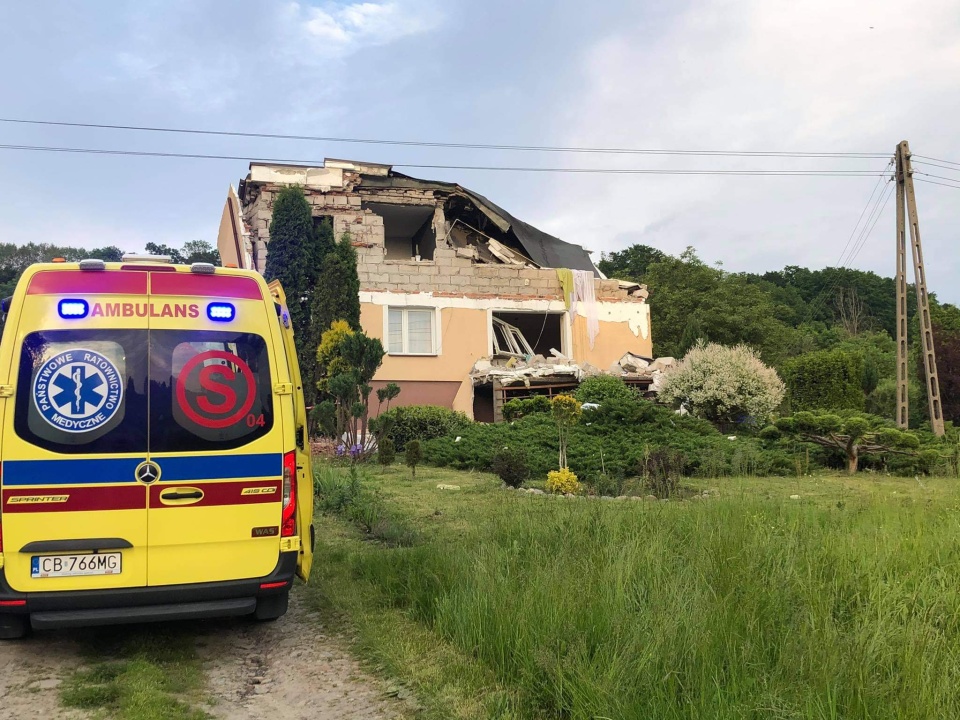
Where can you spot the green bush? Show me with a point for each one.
(423, 422)
(510, 465)
(611, 441)
(518, 408)
(826, 380)
(414, 456)
(386, 452)
(604, 388)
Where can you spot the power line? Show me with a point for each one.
(501, 168)
(934, 182)
(936, 164)
(819, 299)
(927, 157)
(460, 146)
(865, 233)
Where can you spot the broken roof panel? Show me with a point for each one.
(542, 248)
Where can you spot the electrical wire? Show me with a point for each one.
(936, 164)
(872, 217)
(459, 146)
(602, 171)
(927, 157)
(934, 182)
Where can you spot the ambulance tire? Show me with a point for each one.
(13, 627)
(271, 607)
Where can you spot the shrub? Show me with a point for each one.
(518, 408)
(723, 384)
(510, 465)
(386, 452)
(414, 455)
(604, 388)
(423, 422)
(827, 380)
(562, 481)
(662, 470)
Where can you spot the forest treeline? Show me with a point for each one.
(787, 315)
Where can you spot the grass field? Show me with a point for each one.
(840, 604)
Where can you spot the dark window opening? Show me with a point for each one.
(542, 331)
(407, 230)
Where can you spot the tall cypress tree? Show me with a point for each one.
(337, 294)
(293, 258)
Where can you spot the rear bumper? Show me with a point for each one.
(78, 608)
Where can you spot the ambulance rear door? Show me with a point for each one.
(218, 412)
(74, 516)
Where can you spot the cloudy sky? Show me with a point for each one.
(835, 76)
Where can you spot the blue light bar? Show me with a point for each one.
(73, 309)
(221, 311)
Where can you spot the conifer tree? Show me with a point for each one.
(290, 251)
(337, 294)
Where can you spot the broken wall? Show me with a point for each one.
(466, 291)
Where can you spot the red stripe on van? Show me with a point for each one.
(223, 286)
(78, 499)
(69, 282)
(220, 493)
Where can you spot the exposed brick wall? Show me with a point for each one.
(447, 273)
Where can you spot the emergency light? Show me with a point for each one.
(73, 309)
(221, 311)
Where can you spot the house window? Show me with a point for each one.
(410, 331)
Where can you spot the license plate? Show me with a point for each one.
(43, 566)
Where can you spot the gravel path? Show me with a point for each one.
(291, 669)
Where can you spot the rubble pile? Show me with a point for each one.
(515, 370)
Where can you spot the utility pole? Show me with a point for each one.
(906, 194)
(903, 414)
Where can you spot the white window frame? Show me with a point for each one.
(435, 327)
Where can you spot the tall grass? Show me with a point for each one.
(734, 608)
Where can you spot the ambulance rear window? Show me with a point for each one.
(209, 390)
(86, 391)
(83, 391)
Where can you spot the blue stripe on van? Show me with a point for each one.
(83, 471)
(75, 471)
(219, 467)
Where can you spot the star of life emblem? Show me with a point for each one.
(78, 390)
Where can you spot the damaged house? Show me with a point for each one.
(474, 306)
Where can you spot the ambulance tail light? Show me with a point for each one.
(288, 522)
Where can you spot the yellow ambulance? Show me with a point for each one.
(154, 462)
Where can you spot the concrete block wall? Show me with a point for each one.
(447, 274)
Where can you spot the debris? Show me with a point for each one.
(662, 364)
(634, 363)
(443, 486)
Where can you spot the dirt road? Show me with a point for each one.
(290, 669)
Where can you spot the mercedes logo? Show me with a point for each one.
(148, 472)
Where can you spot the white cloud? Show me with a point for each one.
(336, 30)
(205, 61)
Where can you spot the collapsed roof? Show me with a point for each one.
(540, 248)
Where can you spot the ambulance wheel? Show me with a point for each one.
(271, 607)
(13, 627)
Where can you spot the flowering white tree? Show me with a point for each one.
(723, 384)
